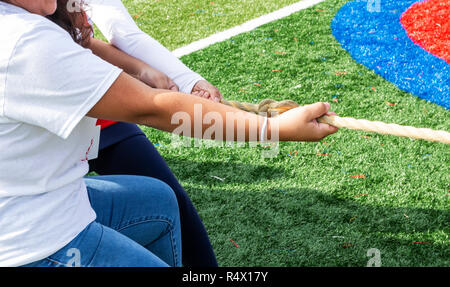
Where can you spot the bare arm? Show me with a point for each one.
(130, 100)
(111, 54)
(131, 65)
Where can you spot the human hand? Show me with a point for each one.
(300, 124)
(205, 90)
(156, 79)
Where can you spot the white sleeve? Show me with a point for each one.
(52, 82)
(116, 24)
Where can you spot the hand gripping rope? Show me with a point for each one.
(270, 106)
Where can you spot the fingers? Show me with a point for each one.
(206, 90)
(325, 130)
(202, 94)
(314, 111)
(205, 95)
(216, 96)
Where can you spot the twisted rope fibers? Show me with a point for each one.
(272, 107)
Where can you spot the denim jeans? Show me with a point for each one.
(125, 149)
(133, 228)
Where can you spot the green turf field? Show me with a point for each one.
(305, 208)
(176, 23)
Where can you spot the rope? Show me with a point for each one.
(265, 106)
(387, 129)
(272, 107)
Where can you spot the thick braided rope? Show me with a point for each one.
(270, 106)
(265, 106)
(387, 129)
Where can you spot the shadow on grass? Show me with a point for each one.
(307, 227)
(207, 172)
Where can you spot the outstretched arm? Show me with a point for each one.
(72, 83)
(130, 100)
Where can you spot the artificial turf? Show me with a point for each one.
(324, 203)
(177, 23)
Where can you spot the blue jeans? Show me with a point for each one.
(133, 228)
(125, 149)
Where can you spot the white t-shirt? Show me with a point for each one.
(48, 83)
(116, 24)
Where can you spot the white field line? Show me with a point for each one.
(246, 27)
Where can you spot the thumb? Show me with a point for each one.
(173, 86)
(317, 110)
(216, 96)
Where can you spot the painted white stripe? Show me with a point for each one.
(246, 27)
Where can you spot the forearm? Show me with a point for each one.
(132, 101)
(192, 116)
(111, 54)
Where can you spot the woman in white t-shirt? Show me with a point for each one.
(49, 215)
(52, 90)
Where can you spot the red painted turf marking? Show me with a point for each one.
(428, 26)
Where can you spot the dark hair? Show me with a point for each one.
(74, 21)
